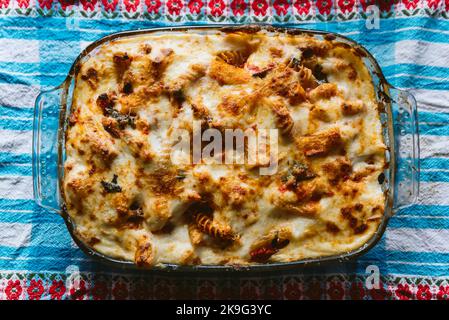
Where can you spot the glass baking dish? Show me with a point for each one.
(398, 117)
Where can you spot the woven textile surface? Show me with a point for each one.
(39, 40)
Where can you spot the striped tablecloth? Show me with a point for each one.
(39, 39)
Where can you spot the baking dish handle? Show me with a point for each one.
(45, 149)
(405, 148)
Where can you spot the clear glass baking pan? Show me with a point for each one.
(400, 130)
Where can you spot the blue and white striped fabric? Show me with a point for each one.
(36, 54)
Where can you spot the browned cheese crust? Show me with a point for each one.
(130, 200)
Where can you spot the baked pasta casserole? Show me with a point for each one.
(129, 200)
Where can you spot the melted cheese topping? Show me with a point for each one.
(127, 198)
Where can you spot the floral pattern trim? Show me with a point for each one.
(47, 286)
(241, 11)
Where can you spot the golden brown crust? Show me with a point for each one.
(321, 144)
(323, 91)
(226, 73)
(144, 253)
(130, 200)
(352, 108)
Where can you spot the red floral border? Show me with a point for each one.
(93, 286)
(224, 10)
(18, 286)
